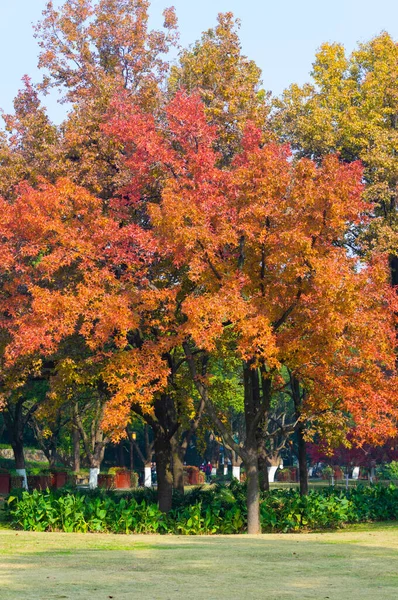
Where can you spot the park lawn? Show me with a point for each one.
(360, 563)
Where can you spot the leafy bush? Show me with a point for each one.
(388, 471)
(213, 510)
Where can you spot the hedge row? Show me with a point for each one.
(218, 510)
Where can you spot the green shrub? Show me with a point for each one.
(388, 471)
(213, 510)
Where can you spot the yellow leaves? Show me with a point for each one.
(134, 377)
(330, 67)
(352, 110)
(227, 82)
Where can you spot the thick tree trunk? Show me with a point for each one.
(302, 458)
(263, 472)
(164, 472)
(19, 456)
(164, 430)
(253, 491)
(252, 404)
(178, 466)
(298, 398)
(15, 424)
(262, 458)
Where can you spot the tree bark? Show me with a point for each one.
(252, 403)
(178, 466)
(164, 429)
(19, 455)
(76, 449)
(263, 471)
(164, 472)
(253, 490)
(302, 459)
(302, 451)
(15, 428)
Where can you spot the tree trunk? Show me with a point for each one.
(164, 430)
(178, 466)
(15, 428)
(19, 456)
(98, 455)
(148, 474)
(251, 402)
(52, 459)
(302, 458)
(262, 457)
(253, 491)
(263, 472)
(76, 449)
(236, 462)
(164, 471)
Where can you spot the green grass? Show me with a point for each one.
(9, 464)
(360, 563)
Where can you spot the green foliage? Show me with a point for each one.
(286, 510)
(216, 510)
(388, 471)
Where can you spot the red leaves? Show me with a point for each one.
(256, 246)
(262, 242)
(65, 254)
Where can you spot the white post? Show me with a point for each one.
(225, 469)
(93, 480)
(236, 473)
(346, 481)
(22, 473)
(147, 477)
(332, 480)
(271, 473)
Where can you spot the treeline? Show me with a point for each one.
(186, 250)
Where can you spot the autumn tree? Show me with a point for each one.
(89, 50)
(351, 107)
(29, 146)
(22, 392)
(60, 279)
(261, 245)
(228, 83)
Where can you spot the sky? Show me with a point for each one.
(280, 36)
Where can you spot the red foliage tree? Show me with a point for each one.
(262, 246)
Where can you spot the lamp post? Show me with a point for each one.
(133, 437)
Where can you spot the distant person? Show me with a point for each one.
(208, 471)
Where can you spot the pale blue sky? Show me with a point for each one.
(281, 37)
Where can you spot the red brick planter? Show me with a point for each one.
(58, 479)
(5, 483)
(123, 480)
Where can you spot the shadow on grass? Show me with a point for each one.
(357, 565)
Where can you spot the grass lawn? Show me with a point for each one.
(359, 564)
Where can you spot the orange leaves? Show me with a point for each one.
(63, 254)
(133, 376)
(196, 248)
(262, 243)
